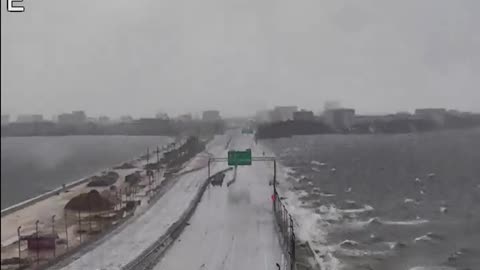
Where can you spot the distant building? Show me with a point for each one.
(161, 116)
(5, 119)
(262, 116)
(436, 115)
(30, 118)
(303, 115)
(283, 113)
(185, 117)
(402, 115)
(151, 126)
(126, 119)
(339, 118)
(74, 118)
(104, 120)
(331, 105)
(211, 116)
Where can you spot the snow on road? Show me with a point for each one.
(126, 245)
(233, 227)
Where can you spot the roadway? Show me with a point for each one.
(232, 227)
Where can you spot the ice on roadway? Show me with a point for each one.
(233, 227)
(124, 246)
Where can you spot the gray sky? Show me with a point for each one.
(114, 57)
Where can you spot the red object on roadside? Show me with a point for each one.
(46, 241)
(273, 197)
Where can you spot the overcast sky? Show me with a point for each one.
(116, 57)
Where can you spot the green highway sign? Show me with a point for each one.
(238, 158)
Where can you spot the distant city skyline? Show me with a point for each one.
(198, 115)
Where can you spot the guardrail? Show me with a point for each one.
(151, 256)
(286, 230)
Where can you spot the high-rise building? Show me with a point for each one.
(283, 113)
(339, 118)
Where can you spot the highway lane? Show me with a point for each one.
(233, 227)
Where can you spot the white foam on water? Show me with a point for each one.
(432, 268)
(302, 193)
(349, 243)
(365, 208)
(410, 200)
(395, 245)
(330, 213)
(428, 237)
(361, 253)
(314, 162)
(378, 221)
(425, 238)
(405, 222)
(310, 228)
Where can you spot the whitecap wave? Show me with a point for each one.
(429, 237)
(365, 208)
(327, 194)
(406, 222)
(396, 245)
(409, 200)
(349, 244)
(432, 268)
(377, 221)
(318, 163)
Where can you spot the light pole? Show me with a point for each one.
(18, 232)
(66, 228)
(79, 227)
(53, 235)
(36, 244)
(148, 156)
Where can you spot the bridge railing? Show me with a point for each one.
(287, 233)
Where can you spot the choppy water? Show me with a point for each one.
(34, 165)
(391, 201)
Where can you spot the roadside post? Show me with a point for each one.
(79, 227)
(148, 156)
(19, 257)
(36, 244)
(53, 235)
(66, 227)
